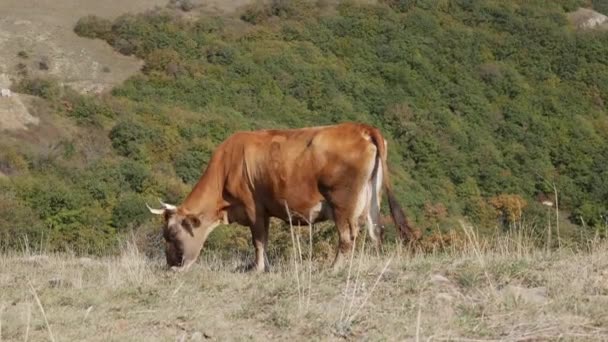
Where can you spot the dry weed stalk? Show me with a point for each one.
(310, 225)
(559, 241)
(298, 244)
(295, 240)
(350, 265)
(418, 317)
(548, 246)
(28, 321)
(369, 293)
(295, 258)
(474, 241)
(46, 321)
(1, 311)
(356, 286)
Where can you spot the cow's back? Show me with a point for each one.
(293, 165)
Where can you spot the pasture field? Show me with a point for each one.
(490, 107)
(504, 290)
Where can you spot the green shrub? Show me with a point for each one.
(12, 162)
(47, 88)
(220, 53)
(128, 138)
(48, 196)
(136, 175)
(164, 60)
(93, 26)
(401, 5)
(129, 212)
(103, 182)
(256, 13)
(82, 230)
(19, 225)
(189, 164)
(88, 110)
(598, 5)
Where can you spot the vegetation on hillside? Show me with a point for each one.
(487, 106)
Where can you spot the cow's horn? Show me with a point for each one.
(167, 206)
(155, 211)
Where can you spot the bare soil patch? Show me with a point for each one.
(14, 114)
(585, 18)
(39, 35)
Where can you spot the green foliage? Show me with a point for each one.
(600, 6)
(478, 99)
(93, 26)
(19, 226)
(130, 211)
(11, 162)
(136, 175)
(189, 164)
(481, 93)
(47, 88)
(260, 12)
(86, 110)
(128, 137)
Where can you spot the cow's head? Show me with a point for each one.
(184, 234)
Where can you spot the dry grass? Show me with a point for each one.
(500, 290)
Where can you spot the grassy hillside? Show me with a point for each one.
(505, 291)
(487, 106)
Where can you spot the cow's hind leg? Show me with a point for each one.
(347, 209)
(350, 201)
(347, 235)
(259, 235)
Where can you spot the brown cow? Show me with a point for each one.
(319, 173)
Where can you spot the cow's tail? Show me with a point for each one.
(381, 178)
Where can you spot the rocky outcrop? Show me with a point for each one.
(586, 19)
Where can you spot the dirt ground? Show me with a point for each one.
(585, 18)
(35, 32)
(14, 113)
(43, 29)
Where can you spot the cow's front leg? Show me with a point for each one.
(259, 234)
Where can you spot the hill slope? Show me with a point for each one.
(487, 106)
(43, 32)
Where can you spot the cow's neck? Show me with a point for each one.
(205, 198)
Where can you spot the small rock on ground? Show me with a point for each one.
(438, 279)
(536, 295)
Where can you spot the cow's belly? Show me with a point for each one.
(321, 212)
(313, 212)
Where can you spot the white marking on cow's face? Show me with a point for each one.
(185, 236)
